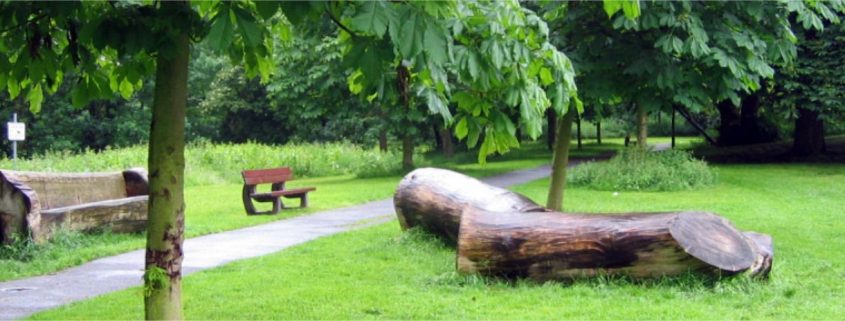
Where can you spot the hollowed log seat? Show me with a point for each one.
(36, 204)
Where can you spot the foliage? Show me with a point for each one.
(635, 170)
(383, 263)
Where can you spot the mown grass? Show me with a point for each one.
(382, 273)
(218, 207)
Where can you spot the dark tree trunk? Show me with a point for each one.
(753, 128)
(598, 132)
(560, 161)
(551, 127)
(673, 127)
(808, 134)
(382, 139)
(729, 123)
(407, 152)
(448, 146)
(627, 139)
(578, 130)
(642, 127)
(438, 141)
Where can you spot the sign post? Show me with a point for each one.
(16, 132)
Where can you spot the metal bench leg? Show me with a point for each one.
(277, 206)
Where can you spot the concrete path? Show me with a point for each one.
(21, 298)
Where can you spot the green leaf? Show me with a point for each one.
(14, 88)
(126, 89)
(546, 76)
(371, 19)
(410, 40)
(612, 6)
(461, 128)
(435, 44)
(249, 30)
(222, 30)
(35, 97)
(266, 9)
(631, 8)
(437, 106)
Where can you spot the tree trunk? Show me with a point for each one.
(673, 128)
(728, 123)
(433, 198)
(438, 141)
(560, 161)
(446, 142)
(163, 267)
(578, 130)
(627, 139)
(382, 140)
(685, 113)
(549, 246)
(809, 134)
(551, 123)
(642, 127)
(407, 152)
(598, 132)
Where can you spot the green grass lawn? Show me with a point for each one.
(382, 273)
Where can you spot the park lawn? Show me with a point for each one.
(382, 273)
(219, 207)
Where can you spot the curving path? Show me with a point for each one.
(21, 298)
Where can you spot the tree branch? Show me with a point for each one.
(339, 24)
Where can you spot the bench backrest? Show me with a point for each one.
(59, 190)
(264, 176)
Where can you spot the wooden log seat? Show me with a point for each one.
(37, 204)
(276, 177)
(501, 233)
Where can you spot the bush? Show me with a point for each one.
(208, 163)
(637, 170)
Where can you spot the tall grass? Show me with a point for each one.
(209, 163)
(637, 170)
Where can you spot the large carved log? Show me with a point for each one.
(499, 232)
(433, 198)
(552, 245)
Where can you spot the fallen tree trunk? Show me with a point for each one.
(499, 232)
(433, 198)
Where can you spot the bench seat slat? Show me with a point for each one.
(287, 192)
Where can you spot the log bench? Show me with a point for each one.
(276, 177)
(36, 204)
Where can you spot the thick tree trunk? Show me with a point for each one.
(448, 147)
(729, 127)
(433, 199)
(499, 232)
(548, 246)
(809, 133)
(560, 161)
(642, 127)
(163, 273)
(551, 128)
(407, 152)
(598, 132)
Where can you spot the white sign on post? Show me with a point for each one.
(16, 131)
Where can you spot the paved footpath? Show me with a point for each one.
(21, 298)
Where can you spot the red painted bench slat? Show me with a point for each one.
(277, 177)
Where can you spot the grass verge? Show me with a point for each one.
(381, 273)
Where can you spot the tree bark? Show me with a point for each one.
(673, 127)
(729, 126)
(560, 161)
(642, 127)
(549, 246)
(598, 132)
(808, 134)
(578, 130)
(163, 267)
(446, 142)
(433, 198)
(407, 152)
(551, 123)
(382, 140)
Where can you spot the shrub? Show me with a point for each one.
(637, 170)
(209, 163)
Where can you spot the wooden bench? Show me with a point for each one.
(277, 178)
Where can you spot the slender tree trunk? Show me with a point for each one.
(446, 142)
(808, 134)
(673, 127)
(408, 152)
(642, 127)
(382, 139)
(551, 123)
(438, 141)
(165, 226)
(560, 161)
(627, 139)
(598, 132)
(578, 130)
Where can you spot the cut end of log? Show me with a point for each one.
(713, 240)
(765, 252)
